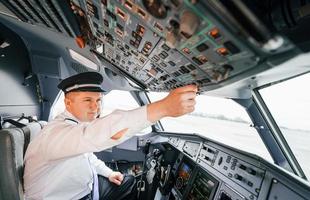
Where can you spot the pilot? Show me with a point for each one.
(59, 162)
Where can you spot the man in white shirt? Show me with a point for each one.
(60, 164)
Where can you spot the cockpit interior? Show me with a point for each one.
(231, 49)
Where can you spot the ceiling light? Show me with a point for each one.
(83, 60)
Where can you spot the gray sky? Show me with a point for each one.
(289, 102)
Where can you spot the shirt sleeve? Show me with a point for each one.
(100, 166)
(64, 139)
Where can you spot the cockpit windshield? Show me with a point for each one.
(219, 119)
(289, 105)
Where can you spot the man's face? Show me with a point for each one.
(85, 106)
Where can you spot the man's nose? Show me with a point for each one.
(94, 105)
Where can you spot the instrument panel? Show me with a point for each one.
(163, 44)
(183, 175)
(177, 44)
(224, 173)
(204, 187)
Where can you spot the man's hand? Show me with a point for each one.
(119, 134)
(180, 101)
(116, 177)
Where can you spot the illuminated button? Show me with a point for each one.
(128, 5)
(202, 59)
(148, 45)
(186, 50)
(222, 51)
(80, 42)
(215, 33)
(121, 13)
(140, 29)
(141, 13)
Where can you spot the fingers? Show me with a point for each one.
(179, 102)
(189, 109)
(188, 95)
(117, 178)
(117, 182)
(120, 177)
(189, 103)
(119, 134)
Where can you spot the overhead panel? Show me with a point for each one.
(164, 44)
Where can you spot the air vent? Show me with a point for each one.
(79, 67)
(45, 12)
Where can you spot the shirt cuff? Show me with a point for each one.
(106, 171)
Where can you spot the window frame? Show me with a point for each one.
(291, 163)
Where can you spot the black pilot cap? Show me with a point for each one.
(87, 81)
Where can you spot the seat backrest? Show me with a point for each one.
(12, 143)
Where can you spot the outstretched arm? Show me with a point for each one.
(63, 140)
(180, 101)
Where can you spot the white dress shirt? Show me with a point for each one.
(57, 161)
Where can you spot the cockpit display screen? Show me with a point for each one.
(183, 176)
(203, 187)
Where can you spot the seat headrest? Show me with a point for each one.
(12, 144)
(11, 163)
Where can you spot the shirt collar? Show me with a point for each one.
(69, 115)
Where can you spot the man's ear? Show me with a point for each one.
(67, 102)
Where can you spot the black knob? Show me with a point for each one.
(243, 167)
(251, 171)
(220, 161)
(207, 158)
(210, 150)
(238, 177)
